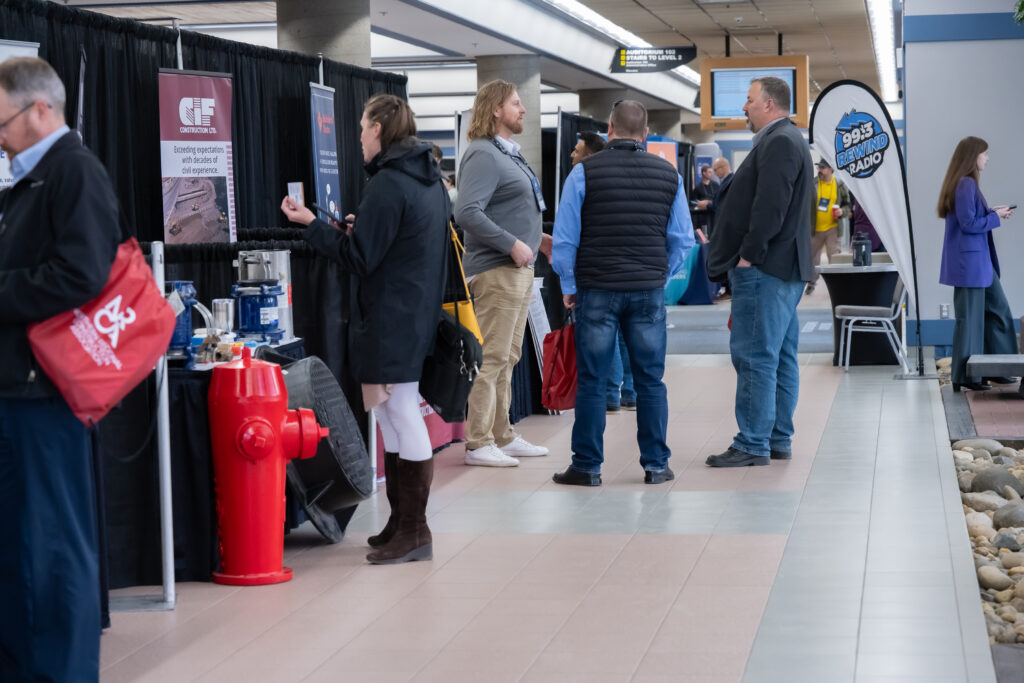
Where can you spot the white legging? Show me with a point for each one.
(401, 423)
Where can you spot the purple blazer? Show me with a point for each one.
(968, 252)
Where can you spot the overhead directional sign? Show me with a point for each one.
(637, 60)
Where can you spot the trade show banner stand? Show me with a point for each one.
(196, 157)
(852, 130)
(325, 149)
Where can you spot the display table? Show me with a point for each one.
(126, 447)
(862, 286)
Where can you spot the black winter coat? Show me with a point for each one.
(58, 238)
(397, 253)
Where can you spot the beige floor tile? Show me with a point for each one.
(497, 606)
(683, 664)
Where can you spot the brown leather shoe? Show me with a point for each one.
(412, 539)
(391, 489)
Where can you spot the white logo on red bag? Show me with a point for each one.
(116, 320)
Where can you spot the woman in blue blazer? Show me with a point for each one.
(969, 264)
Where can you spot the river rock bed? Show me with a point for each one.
(991, 479)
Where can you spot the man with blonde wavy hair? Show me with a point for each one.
(499, 208)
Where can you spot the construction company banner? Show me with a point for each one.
(642, 60)
(852, 130)
(196, 158)
(8, 49)
(325, 151)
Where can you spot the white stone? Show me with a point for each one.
(986, 500)
(990, 445)
(992, 577)
(978, 519)
(963, 457)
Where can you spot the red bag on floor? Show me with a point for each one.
(99, 352)
(558, 391)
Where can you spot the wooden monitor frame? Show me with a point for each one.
(801, 94)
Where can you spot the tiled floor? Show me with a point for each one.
(847, 563)
(998, 412)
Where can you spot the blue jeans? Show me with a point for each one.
(641, 317)
(620, 384)
(763, 344)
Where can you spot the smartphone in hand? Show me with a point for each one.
(317, 207)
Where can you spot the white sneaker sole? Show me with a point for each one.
(511, 462)
(513, 454)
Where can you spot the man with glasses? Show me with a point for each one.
(763, 243)
(58, 237)
(622, 229)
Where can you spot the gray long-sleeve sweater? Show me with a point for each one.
(495, 207)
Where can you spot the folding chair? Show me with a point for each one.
(872, 319)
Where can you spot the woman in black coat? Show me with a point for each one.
(395, 245)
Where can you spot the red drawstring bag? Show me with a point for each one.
(99, 352)
(558, 391)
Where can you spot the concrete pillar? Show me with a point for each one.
(524, 72)
(340, 30)
(598, 103)
(666, 122)
(693, 134)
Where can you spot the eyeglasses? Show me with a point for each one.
(20, 112)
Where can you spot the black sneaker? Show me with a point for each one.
(572, 477)
(781, 455)
(734, 458)
(659, 476)
(611, 409)
(629, 405)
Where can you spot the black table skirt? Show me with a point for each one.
(863, 289)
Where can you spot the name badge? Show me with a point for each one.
(537, 194)
(823, 204)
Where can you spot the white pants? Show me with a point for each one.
(402, 425)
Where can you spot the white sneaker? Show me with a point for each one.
(521, 448)
(489, 456)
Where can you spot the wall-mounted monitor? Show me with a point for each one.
(725, 82)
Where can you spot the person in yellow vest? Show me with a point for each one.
(831, 202)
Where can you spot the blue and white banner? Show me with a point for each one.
(852, 130)
(8, 49)
(325, 150)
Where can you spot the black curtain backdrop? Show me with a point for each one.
(572, 125)
(270, 118)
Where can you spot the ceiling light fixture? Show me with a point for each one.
(882, 36)
(587, 16)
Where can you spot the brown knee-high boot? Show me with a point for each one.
(391, 489)
(412, 539)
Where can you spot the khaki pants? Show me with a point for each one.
(828, 239)
(501, 299)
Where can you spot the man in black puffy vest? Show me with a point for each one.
(622, 229)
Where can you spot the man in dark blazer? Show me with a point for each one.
(762, 243)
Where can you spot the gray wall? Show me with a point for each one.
(954, 89)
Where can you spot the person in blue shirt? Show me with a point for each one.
(622, 229)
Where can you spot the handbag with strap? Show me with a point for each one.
(453, 364)
(95, 354)
(558, 390)
(457, 290)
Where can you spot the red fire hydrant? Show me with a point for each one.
(253, 435)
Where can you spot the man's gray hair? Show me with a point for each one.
(629, 118)
(775, 89)
(27, 79)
